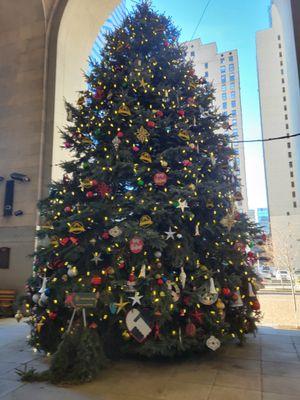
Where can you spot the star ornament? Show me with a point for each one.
(136, 299)
(228, 221)
(143, 83)
(182, 204)
(121, 305)
(170, 234)
(97, 258)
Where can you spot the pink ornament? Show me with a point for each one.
(67, 209)
(159, 113)
(160, 178)
(187, 163)
(136, 245)
(135, 148)
(67, 145)
(180, 113)
(120, 134)
(105, 235)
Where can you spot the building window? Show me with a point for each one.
(206, 65)
(233, 113)
(282, 80)
(231, 67)
(231, 77)
(232, 86)
(206, 74)
(283, 89)
(280, 54)
(230, 58)
(235, 133)
(223, 78)
(192, 54)
(286, 117)
(233, 103)
(286, 126)
(292, 174)
(224, 106)
(290, 164)
(222, 60)
(225, 113)
(232, 95)
(281, 63)
(288, 145)
(234, 122)
(282, 72)
(285, 108)
(294, 194)
(290, 154)
(293, 184)
(294, 204)
(224, 96)
(278, 37)
(223, 69)
(284, 98)
(279, 45)
(287, 213)
(223, 88)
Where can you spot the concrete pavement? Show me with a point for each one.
(267, 368)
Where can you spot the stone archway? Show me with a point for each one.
(44, 46)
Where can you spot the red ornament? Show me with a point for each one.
(96, 280)
(226, 291)
(93, 325)
(198, 316)
(239, 246)
(255, 305)
(67, 145)
(237, 216)
(99, 93)
(160, 178)
(187, 163)
(74, 240)
(135, 148)
(56, 264)
(120, 134)
(136, 245)
(181, 113)
(186, 300)
(103, 189)
(52, 315)
(235, 296)
(121, 265)
(160, 281)
(94, 182)
(64, 241)
(151, 124)
(131, 277)
(159, 113)
(190, 329)
(89, 194)
(166, 44)
(105, 235)
(67, 209)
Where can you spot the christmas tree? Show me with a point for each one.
(141, 247)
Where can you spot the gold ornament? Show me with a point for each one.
(220, 305)
(86, 140)
(86, 183)
(39, 326)
(228, 221)
(126, 335)
(184, 135)
(163, 163)
(124, 110)
(80, 101)
(143, 83)
(18, 316)
(146, 157)
(210, 204)
(76, 228)
(192, 186)
(121, 304)
(54, 241)
(146, 221)
(47, 225)
(142, 135)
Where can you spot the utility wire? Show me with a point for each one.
(265, 140)
(201, 18)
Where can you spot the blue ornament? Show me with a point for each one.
(112, 308)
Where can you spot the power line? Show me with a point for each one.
(266, 140)
(201, 18)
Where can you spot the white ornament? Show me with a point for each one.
(170, 234)
(212, 288)
(157, 254)
(72, 272)
(138, 325)
(44, 284)
(197, 233)
(136, 298)
(35, 298)
(142, 273)
(182, 204)
(213, 343)
(116, 142)
(97, 258)
(115, 231)
(179, 236)
(44, 298)
(182, 277)
(250, 290)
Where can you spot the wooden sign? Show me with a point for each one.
(84, 300)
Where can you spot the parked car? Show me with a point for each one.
(265, 272)
(283, 275)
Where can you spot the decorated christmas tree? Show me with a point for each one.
(141, 247)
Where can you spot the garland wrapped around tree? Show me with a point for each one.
(141, 245)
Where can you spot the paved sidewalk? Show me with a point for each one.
(267, 368)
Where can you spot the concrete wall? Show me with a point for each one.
(28, 64)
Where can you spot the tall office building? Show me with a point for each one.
(222, 69)
(278, 56)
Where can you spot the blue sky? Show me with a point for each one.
(232, 25)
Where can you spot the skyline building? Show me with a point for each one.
(278, 55)
(222, 69)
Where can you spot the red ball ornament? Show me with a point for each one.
(120, 134)
(135, 148)
(151, 124)
(96, 280)
(105, 235)
(74, 240)
(136, 245)
(235, 296)
(67, 209)
(226, 292)
(99, 93)
(94, 182)
(64, 241)
(89, 194)
(52, 315)
(160, 281)
(255, 305)
(190, 329)
(166, 44)
(159, 113)
(181, 113)
(93, 325)
(160, 178)
(187, 163)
